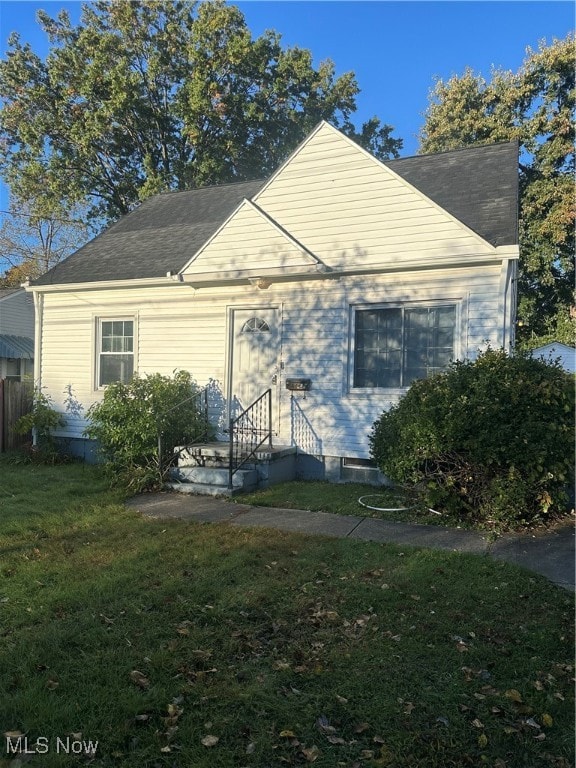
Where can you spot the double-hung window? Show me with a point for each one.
(115, 351)
(394, 346)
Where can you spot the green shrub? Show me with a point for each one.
(490, 441)
(41, 420)
(138, 425)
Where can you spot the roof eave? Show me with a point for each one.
(102, 285)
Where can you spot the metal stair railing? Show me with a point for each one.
(248, 432)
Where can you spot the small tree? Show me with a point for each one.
(489, 441)
(138, 425)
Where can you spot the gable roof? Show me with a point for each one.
(159, 236)
(477, 185)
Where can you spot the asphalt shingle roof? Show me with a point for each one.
(159, 236)
(477, 185)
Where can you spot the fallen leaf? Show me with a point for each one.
(341, 699)
(52, 685)
(547, 720)
(335, 739)
(477, 723)
(513, 695)
(532, 723)
(287, 734)
(139, 679)
(250, 748)
(210, 741)
(361, 727)
(482, 740)
(311, 753)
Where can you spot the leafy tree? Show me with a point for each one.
(147, 96)
(536, 106)
(32, 241)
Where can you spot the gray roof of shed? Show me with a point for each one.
(477, 185)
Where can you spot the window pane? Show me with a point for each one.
(378, 341)
(116, 368)
(429, 334)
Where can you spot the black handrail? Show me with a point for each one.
(248, 432)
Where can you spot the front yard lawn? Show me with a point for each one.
(343, 499)
(187, 645)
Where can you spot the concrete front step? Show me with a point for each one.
(203, 469)
(217, 454)
(202, 489)
(242, 478)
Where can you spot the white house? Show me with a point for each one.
(16, 334)
(342, 276)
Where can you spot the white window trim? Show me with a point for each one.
(97, 323)
(457, 302)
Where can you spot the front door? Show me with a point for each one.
(255, 353)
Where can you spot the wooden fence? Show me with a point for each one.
(15, 401)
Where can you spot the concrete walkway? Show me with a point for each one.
(550, 553)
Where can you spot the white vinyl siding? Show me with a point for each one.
(346, 209)
(179, 328)
(350, 210)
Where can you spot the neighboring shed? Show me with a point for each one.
(557, 351)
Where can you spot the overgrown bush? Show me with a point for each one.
(490, 441)
(138, 425)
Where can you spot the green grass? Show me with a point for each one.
(287, 650)
(343, 499)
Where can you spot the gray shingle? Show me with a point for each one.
(159, 236)
(477, 185)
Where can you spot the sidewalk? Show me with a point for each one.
(550, 554)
